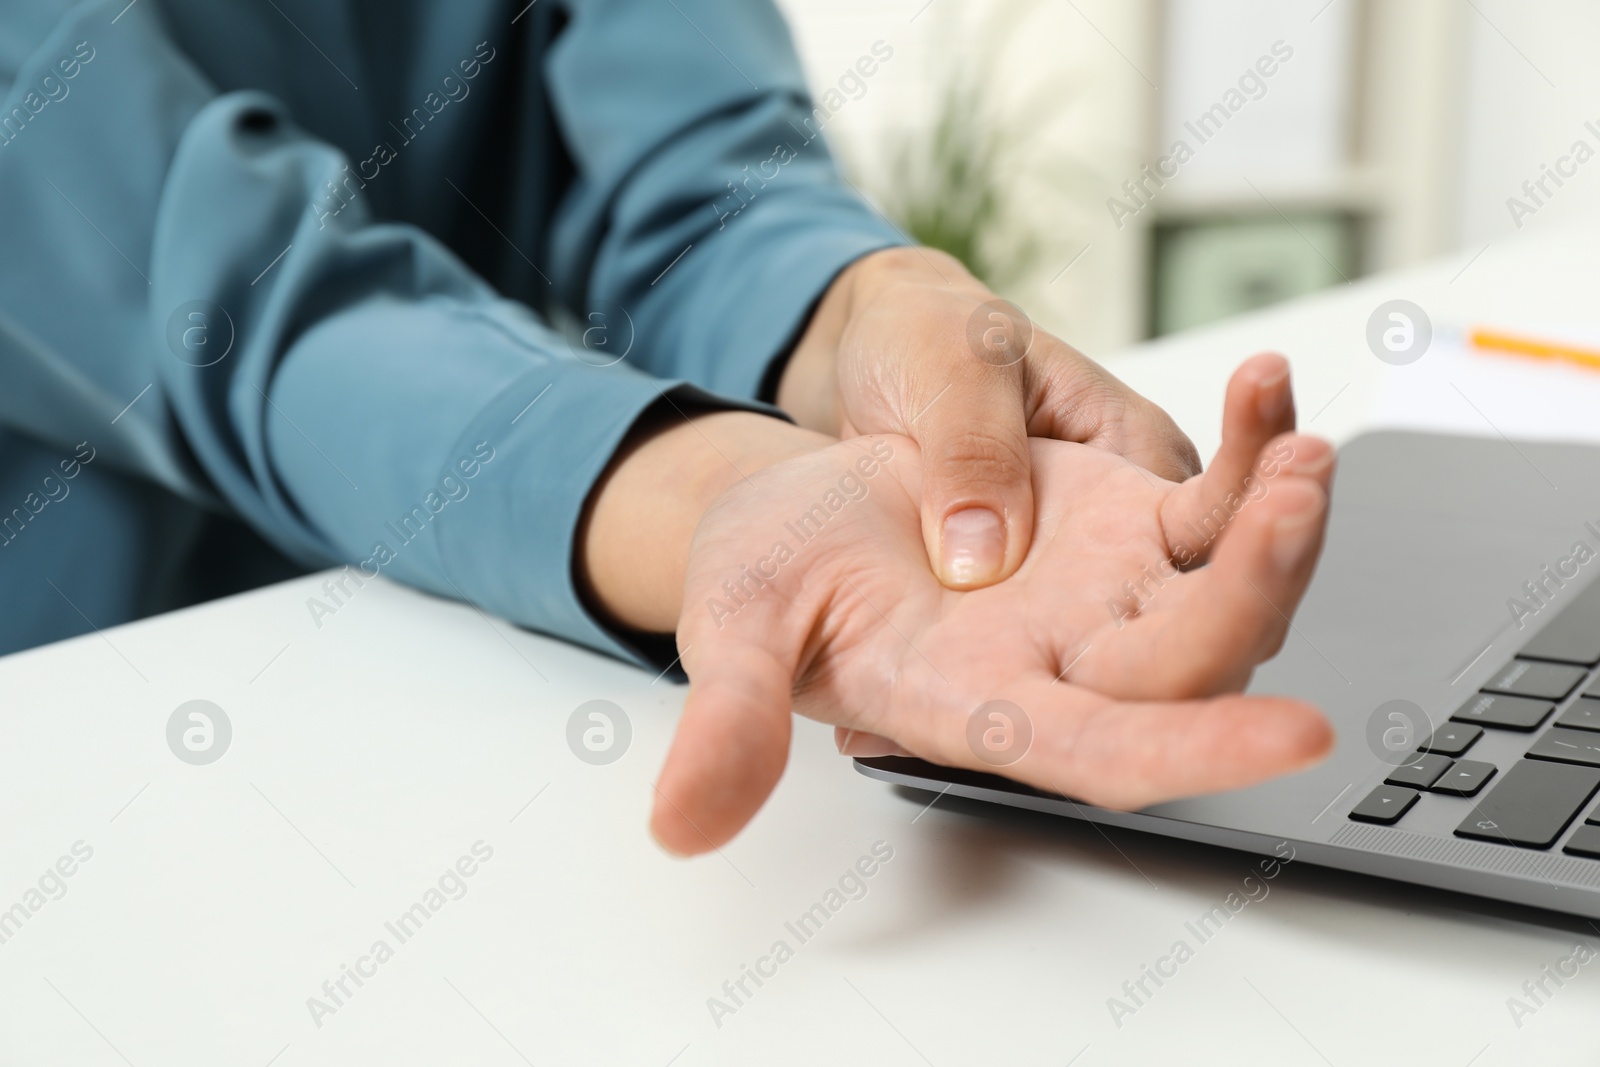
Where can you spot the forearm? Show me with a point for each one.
(642, 516)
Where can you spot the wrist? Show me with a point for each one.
(641, 519)
(872, 275)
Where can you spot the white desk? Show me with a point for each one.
(369, 754)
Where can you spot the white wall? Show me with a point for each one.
(1531, 83)
(1085, 59)
(1479, 94)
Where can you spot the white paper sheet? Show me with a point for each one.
(1455, 388)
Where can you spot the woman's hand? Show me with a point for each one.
(1117, 657)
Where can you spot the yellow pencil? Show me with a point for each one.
(1498, 341)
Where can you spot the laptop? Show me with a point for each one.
(1451, 635)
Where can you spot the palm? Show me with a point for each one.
(900, 646)
(1108, 677)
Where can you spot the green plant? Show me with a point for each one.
(954, 185)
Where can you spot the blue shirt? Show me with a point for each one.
(283, 284)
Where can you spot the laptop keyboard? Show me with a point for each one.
(1529, 801)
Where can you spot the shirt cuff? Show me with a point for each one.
(517, 550)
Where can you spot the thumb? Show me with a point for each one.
(730, 748)
(977, 487)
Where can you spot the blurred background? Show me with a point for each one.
(1126, 168)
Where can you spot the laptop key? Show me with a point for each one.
(1586, 842)
(1584, 715)
(1594, 816)
(1452, 739)
(1543, 681)
(1508, 713)
(1465, 778)
(1574, 635)
(1532, 805)
(1421, 773)
(1567, 746)
(1385, 805)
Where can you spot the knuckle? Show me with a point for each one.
(1187, 455)
(1095, 408)
(981, 458)
(1168, 450)
(1090, 403)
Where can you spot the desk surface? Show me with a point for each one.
(369, 756)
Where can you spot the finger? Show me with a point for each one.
(977, 490)
(1078, 400)
(1129, 756)
(730, 748)
(1259, 406)
(1126, 755)
(1204, 632)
